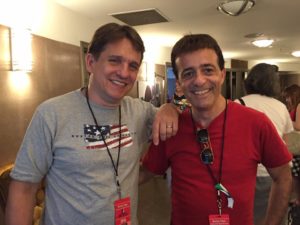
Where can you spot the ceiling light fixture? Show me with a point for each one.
(235, 7)
(296, 53)
(263, 43)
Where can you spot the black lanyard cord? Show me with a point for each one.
(223, 142)
(218, 186)
(115, 167)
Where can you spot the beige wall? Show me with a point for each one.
(48, 19)
(56, 70)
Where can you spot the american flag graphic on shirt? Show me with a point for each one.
(111, 134)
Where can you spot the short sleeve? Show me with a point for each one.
(35, 156)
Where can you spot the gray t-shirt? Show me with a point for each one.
(63, 145)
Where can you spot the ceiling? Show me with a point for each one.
(277, 19)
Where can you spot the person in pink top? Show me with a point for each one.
(291, 96)
(292, 99)
(219, 143)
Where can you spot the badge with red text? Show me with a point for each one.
(219, 219)
(122, 211)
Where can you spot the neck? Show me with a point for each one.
(205, 117)
(98, 100)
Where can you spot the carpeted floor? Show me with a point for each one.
(154, 202)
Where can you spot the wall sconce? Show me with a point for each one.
(21, 49)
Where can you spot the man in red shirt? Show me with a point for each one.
(215, 154)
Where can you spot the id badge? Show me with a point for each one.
(122, 211)
(219, 219)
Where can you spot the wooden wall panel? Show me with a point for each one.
(239, 64)
(56, 70)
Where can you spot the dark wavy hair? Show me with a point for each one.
(193, 42)
(263, 79)
(293, 92)
(113, 32)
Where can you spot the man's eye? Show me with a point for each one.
(115, 60)
(134, 66)
(208, 71)
(187, 75)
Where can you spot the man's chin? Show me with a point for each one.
(119, 96)
(200, 105)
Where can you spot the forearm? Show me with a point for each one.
(296, 125)
(20, 204)
(278, 201)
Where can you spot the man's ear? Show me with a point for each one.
(89, 62)
(223, 74)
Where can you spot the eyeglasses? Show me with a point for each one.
(206, 154)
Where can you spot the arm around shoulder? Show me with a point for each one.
(20, 203)
(165, 124)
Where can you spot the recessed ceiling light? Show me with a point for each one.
(296, 53)
(263, 43)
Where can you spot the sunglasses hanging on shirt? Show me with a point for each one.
(207, 158)
(206, 154)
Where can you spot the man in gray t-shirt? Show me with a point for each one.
(87, 144)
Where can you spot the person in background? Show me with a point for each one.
(87, 143)
(262, 87)
(148, 94)
(291, 97)
(217, 148)
(179, 99)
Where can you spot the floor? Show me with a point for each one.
(154, 202)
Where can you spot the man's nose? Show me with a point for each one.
(124, 70)
(199, 78)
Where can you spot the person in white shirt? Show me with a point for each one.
(262, 87)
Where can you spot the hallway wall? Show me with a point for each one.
(56, 70)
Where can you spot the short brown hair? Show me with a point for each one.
(193, 42)
(113, 32)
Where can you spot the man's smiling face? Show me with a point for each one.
(113, 74)
(200, 77)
